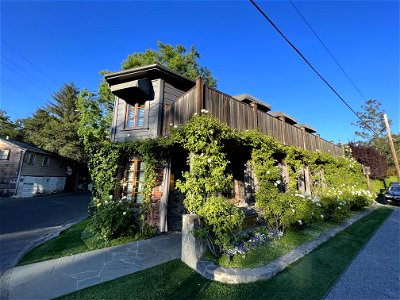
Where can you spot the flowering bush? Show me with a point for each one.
(111, 219)
(252, 241)
(335, 208)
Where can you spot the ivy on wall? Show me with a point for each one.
(208, 180)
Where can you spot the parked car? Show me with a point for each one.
(393, 193)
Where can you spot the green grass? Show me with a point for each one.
(309, 278)
(69, 242)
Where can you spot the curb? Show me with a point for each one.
(5, 276)
(213, 272)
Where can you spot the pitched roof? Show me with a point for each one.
(153, 71)
(248, 97)
(306, 128)
(26, 146)
(288, 118)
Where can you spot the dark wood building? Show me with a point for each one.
(150, 100)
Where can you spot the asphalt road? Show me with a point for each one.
(22, 221)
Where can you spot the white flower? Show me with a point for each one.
(98, 204)
(278, 181)
(322, 216)
(175, 126)
(170, 124)
(293, 210)
(124, 213)
(300, 222)
(206, 111)
(106, 202)
(203, 110)
(110, 197)
(123, 198)
(209, 160)
(268, 172)
(195, 114)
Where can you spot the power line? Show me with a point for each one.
(31, 63)
(327, 50)
(18, 70)
(305, 59)
(18, 89)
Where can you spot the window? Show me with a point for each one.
(4, 154)
(134, 181)
(31, 159)
(134, 115)
(46, 161)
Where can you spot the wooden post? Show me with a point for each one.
(255, 121)
(367, 171)
(303, 133)
(199, 94)
(396, 162)
(318, 145)
(282, 119)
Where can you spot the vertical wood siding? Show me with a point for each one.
(241, 116)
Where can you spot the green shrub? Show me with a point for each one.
(111, 219)
(335, 208)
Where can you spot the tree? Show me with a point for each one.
(371, 123)
(175, 58)
(54, 127)
(8, 127)
(369, 156)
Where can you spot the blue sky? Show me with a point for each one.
(47, 44)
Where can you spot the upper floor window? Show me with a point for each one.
(134, 115)
(4, 154)
(46, 161)
(31, 159)
(134, 181)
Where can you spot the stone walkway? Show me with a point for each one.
(61, 276)
(245, 275)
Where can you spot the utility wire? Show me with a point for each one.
(305, 59)
(18, 89)
(18, 70)
(327, 50)
(31, 63)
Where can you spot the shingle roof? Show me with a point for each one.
(27, 146)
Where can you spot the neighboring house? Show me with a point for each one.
(27, 171)
(151, 99)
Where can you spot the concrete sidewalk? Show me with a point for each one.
(375, 272)
(61, 276)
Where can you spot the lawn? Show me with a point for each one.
(309, 278)
(69, 242)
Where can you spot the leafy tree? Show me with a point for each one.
(371, 123)
(175, 58)
(8, 127)
(54, 127)
(369, 156)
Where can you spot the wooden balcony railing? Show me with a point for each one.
(241, 116)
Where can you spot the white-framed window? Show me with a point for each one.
(134, 180)
(31, 159)
(134, 115)
(4, 154)
(46, 161)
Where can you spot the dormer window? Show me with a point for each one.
(134, 115)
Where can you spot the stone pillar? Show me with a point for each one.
(193, 248)
(301, 183)
(307, 179)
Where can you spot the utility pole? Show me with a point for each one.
(396, 162)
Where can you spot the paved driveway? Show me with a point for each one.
(22, 221)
